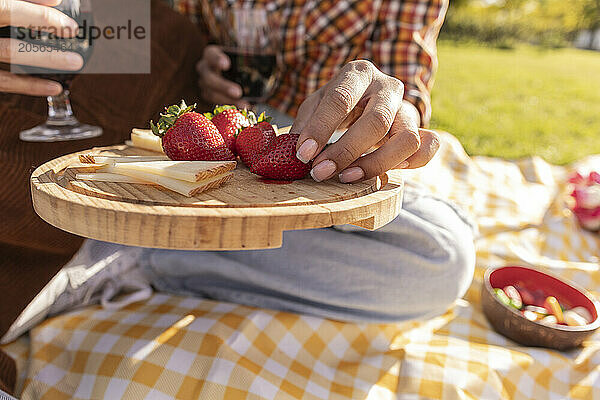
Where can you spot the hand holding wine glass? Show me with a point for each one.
(243, 69)
(37, 13)
(38, 40)
(214, 88)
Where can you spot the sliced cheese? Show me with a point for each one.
(108, 177)
(191, 171)
(185, 188)
(107, 159)
(145, 139)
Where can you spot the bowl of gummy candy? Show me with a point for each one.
(536, 308)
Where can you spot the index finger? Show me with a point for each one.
(37, 16)
(338, 99)
(216, 59)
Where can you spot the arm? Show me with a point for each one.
(404, 46)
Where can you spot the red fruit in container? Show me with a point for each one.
(539, 297)
(526, 296)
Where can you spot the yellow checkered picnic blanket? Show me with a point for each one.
(180, 347)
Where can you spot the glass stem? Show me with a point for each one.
(59, 110)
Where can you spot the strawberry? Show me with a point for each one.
(230, 121)
(252, 142)
(280, 162)
(188, 135)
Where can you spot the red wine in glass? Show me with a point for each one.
(61, 124)
(254, 72)
(248, 37)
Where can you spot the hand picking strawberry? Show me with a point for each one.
(280, 161)
(188, 135)
(252, 141)
(229, 120)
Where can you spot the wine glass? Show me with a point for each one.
(247, 36)
(61, 124)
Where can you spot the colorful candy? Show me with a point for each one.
(552, 312)
(530, 315)
(502, 296)
(554, 307)
(574, 319)
(549, 320)
(537, 310)
(514, 296)
(582, 311)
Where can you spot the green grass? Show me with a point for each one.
(517, 103)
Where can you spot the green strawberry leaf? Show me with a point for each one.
(169, 117)
(219, 109)
(264, 117)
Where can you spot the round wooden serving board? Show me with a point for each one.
(245, 213)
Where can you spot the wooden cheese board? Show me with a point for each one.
(246, 213)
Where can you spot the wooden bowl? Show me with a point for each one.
(511, 323)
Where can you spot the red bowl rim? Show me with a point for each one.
(589, 327)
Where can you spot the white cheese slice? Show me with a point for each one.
(191, 171)
(185, 188)
(145, 139)
(108, 177)
(108, 159)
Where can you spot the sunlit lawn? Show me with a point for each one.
(515, 103)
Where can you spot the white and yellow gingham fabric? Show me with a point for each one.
(177, 347)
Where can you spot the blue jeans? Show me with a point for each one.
(415, 266)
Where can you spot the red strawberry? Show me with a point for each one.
(280, 162)
(188, 135)
(229, 121)
(267, 128)
(252, 142)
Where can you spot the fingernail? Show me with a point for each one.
(351, 174)
(235, 92)
(224, 64)
(74, 61)
(54, 87)
(323, 170)
(402, 165)
(307, 151)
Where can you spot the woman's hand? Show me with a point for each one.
(383, 131)
(39, 15)
(214, 88)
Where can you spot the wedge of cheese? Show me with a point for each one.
(108, 159)
(112, 178)
(182, 187)
(191, 171)
(145, 139)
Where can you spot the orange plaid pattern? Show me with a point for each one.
(319, 37)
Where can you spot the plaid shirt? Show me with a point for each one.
(319, 37)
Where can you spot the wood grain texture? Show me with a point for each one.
(245, 213)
